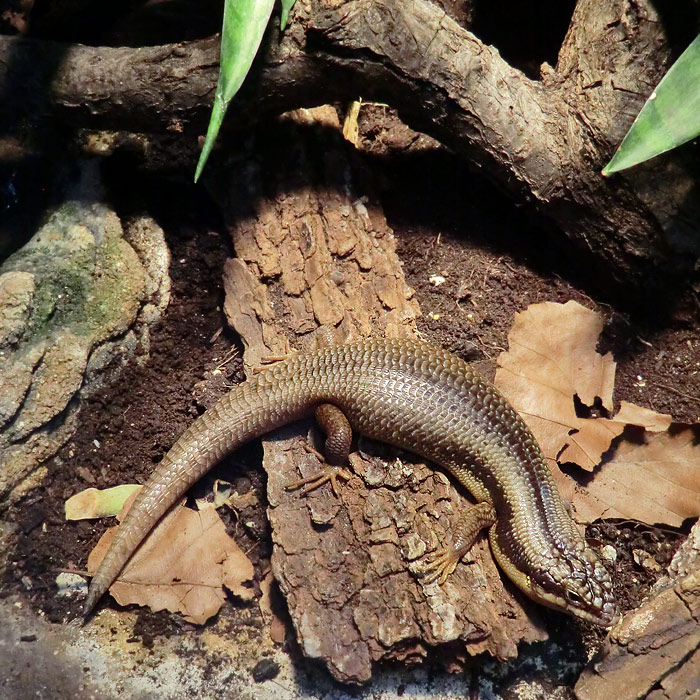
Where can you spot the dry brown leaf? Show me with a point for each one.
(182, 565)
(552, 358)
(556, 344)
(657, 482)
(631, 414)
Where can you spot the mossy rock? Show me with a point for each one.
(71, 307)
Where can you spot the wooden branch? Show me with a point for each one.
(655, 651)
(525, 134)
(544, 141)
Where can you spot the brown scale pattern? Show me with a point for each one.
(417, 397)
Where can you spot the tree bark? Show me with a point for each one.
(322, 254)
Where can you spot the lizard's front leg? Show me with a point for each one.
(337, 447)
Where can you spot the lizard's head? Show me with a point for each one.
(571, 579)
(577, 584)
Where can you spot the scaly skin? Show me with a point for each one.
(420, 398)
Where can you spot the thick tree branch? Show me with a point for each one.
(543, 141)
(155, 88)
(535, 138)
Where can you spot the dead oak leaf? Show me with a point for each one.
(631, 414)
(594, 436)
(655, 482)
(182, 566)
(556, 343)
(551, 360)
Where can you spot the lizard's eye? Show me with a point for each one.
(574, 597)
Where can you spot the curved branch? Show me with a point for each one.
(543, 141)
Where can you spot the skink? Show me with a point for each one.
(420, 398)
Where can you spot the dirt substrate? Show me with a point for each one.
(495, 259)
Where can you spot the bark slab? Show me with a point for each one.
(344, 564)
(655, 651)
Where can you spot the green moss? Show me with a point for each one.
(88, 279)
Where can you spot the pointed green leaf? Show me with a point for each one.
(243, 29)
(670, 117)
(286, 8)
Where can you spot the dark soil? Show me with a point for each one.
(495, 258)
(126, 429)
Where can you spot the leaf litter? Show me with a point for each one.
(657, 481)
(554, 377)
(182, 566)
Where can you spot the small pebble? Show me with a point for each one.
(71, 584)
(265, 670)
(609, 553)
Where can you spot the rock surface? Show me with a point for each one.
(76, 303)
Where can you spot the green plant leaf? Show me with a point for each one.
(670, 117)
(243, 29)
(286, 8)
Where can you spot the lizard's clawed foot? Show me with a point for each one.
(438, 565)
(328, 475)
(441, 561)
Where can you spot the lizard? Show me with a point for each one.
(417, 397)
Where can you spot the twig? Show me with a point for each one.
(672, 389)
